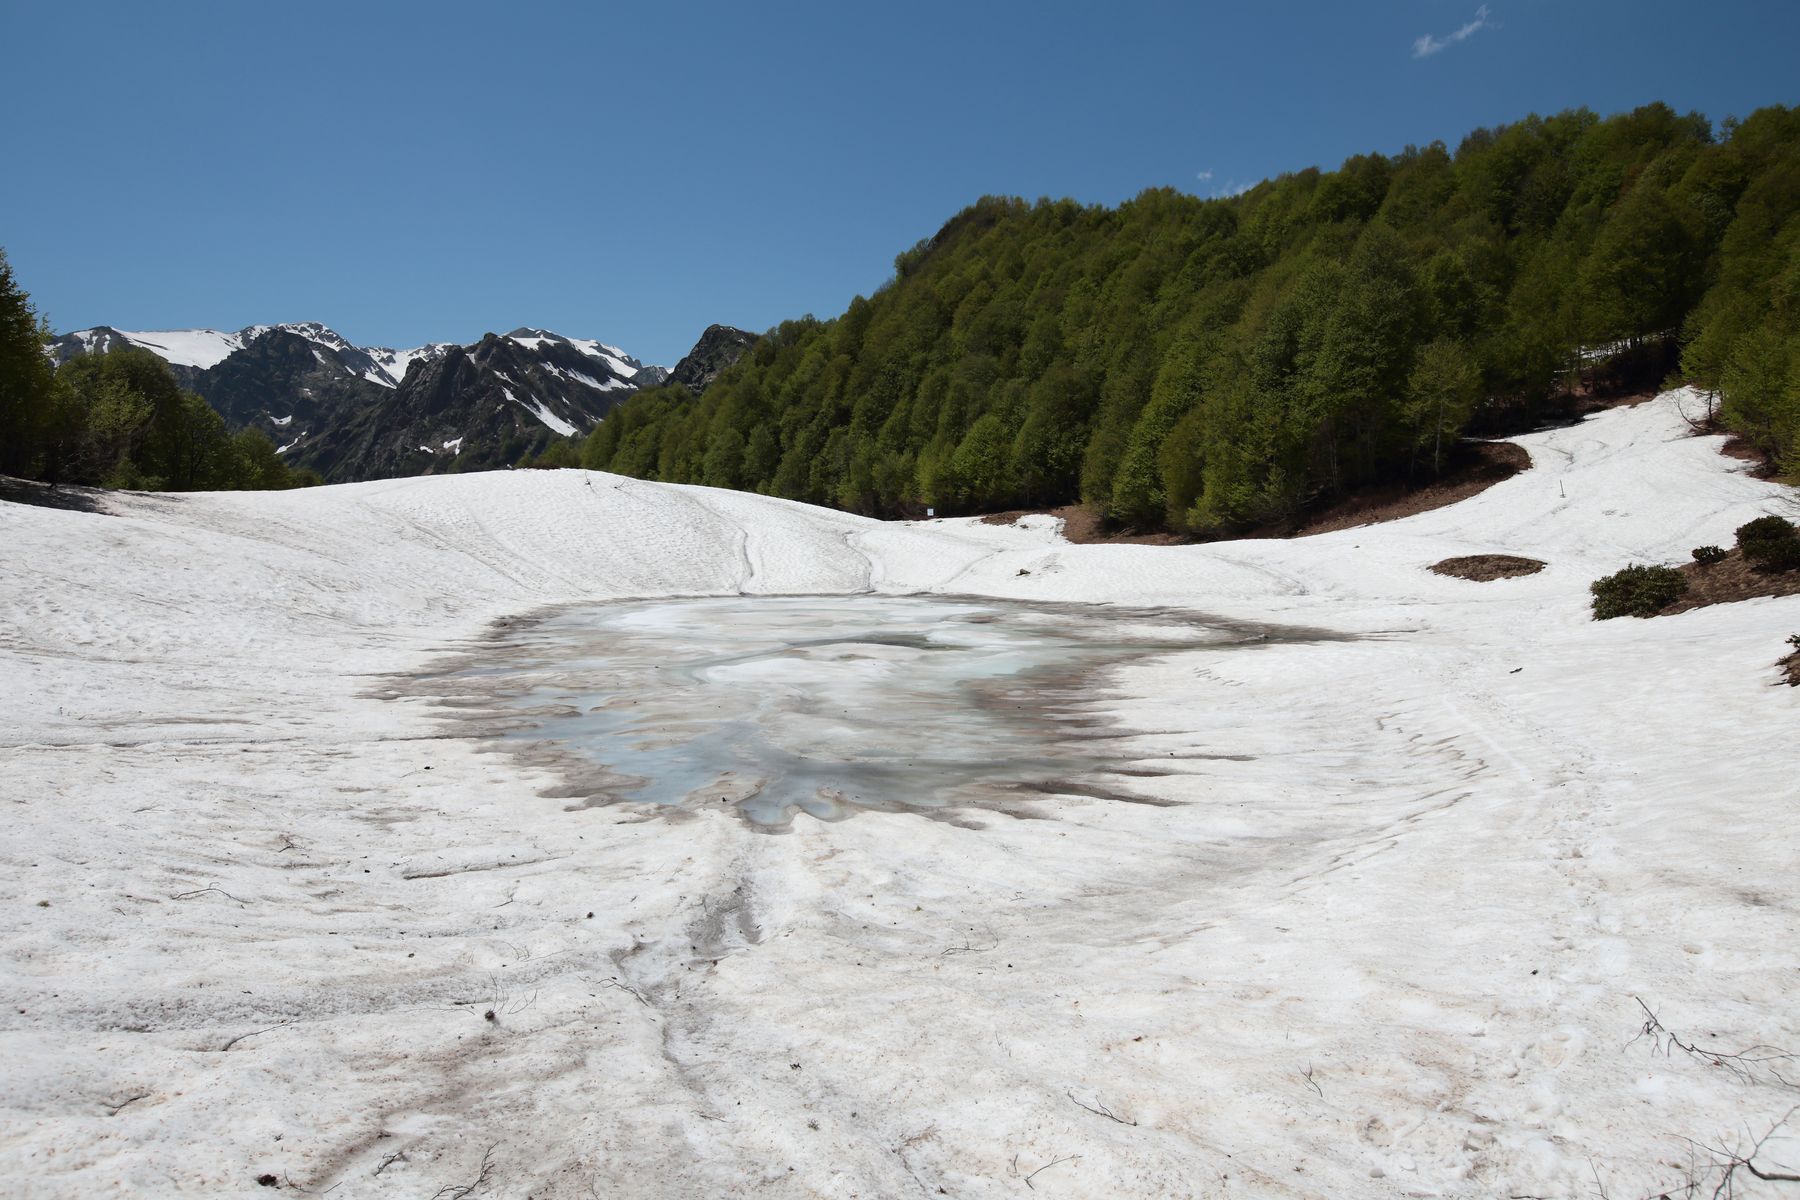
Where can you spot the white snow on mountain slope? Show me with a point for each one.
(185, 347)
(605, 385)
(205, 348)
(1386, 938)
(536, 408)
(394, 363)
(616, 360)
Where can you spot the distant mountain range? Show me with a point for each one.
(354, 412)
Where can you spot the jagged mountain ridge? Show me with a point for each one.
(718, 348)
(485, 405)
(353, 412)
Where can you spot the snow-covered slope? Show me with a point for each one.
(198, 348)
(1387, 935)
(394, 363)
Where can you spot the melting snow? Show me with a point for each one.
(1383, 919)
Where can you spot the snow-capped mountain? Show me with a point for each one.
(203, 349)
(355, 412)
(483, 405)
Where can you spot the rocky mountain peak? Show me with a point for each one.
(717, 349)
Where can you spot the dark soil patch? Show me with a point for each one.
(1731, 579)
(1475, 467)
(1483, 567)
(1761, 465)
(43, 495)
(1085, 527)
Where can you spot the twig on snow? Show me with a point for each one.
(969, 947)
(1731, 1162)
(1744, 1064)
(461, 1191)
(203, 891)
(1100, 1110)
(626, 987)
(1054, 1163)
(253, 1033)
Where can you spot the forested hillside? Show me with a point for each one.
(119, 419)
(1213, 364)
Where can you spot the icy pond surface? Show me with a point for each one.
(817, 704)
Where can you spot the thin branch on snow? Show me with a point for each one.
(626, 987)
(1749, 1065)
(1100, 1110)
(1729, 1162)
(969, 947)
(203, 891)
(461, 1191)
(253, 1033)
(1054, 1163)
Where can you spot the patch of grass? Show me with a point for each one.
(1483, 567)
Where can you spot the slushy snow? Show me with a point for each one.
(260, 915)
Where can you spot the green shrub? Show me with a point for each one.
(1763, 529)
(1776, 554)
(1706, 556)
(1637, 592)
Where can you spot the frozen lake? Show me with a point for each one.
(818, 704)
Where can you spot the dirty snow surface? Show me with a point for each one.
(1371, 914)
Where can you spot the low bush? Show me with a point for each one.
(1764, 529)
(1706, 556)
(1769, 544)
(1776, 554)
(1637, 591)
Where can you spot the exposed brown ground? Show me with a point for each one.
(1477, 467)
(1732, 579)
(1483, 567)
(1085, 527)
(1480, 466)
(1762, 466)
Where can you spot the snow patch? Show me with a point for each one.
(200, 348)
(536, 408)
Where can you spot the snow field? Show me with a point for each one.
(1384, 939)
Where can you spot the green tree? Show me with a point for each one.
(1441, 394)
(26, 380)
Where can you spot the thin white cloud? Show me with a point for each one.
(1203, 176)
(1429, 44)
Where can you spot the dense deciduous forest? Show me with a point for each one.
(117, 419)
(1209, 365)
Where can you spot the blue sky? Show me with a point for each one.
(424, 172)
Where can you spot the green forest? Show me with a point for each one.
(118, 419)
(1210, 365)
